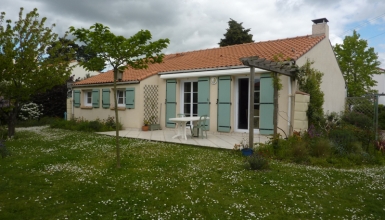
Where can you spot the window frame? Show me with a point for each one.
(123, 97)
(87, 99)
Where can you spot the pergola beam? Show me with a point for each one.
(286, 68)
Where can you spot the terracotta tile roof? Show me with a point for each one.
(216, 57)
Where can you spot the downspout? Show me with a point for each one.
(289, 105)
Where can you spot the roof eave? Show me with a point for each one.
(203, 69)
(105, 84)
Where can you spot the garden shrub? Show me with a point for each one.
(358, 119)
(257, 162)
(300, 152)
(321, 147)
(36, 122)
(80, 124)
(341, 139)
(110, 122)
(30, 111)
(354, 147)
(280, 146)
(331, 121)
(362, 126)
(95, 125)
(265, 149)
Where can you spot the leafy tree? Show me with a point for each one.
(24, 66)
(236, 34)
(358, 64)
(54, 101)
(119, 52)
(73, 51)
(68, 52)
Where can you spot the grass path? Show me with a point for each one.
(58, 174)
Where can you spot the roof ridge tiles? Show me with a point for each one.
(243, 44)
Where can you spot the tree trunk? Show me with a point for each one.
(117, 119)
(12, 122)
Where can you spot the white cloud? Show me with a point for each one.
(200, 24)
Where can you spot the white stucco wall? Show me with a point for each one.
(380, 87)
(333, 84)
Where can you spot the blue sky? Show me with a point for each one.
(200, 24)
(371, 29)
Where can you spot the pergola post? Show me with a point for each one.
(292, 104)
(251, 107)
(275, 114)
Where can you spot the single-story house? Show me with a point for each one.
(214, 82)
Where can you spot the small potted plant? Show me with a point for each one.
(153, 123)
(244, 147)
(146, 124)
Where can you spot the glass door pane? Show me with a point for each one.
(190, 99)
(194, 103)
(187, 99)
(243, 103)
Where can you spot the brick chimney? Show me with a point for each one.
(320, 27)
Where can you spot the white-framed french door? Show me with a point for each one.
(242, 98)
(189, 97)
(195, 97)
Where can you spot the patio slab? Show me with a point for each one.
(214, 139)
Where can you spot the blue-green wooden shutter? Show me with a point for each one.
(170, 102)
(130, 97)
(77, 98)
(266, 113)
(106, 98)
(224, 103)
(95, 98)
(204, 98)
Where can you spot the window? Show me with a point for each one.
(88, 98)
(121, 96)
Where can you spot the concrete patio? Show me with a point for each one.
(214, 139)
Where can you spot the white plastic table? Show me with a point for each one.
(181, 127)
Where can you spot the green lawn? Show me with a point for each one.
(59, 174)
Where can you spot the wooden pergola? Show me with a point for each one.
(287, 68)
